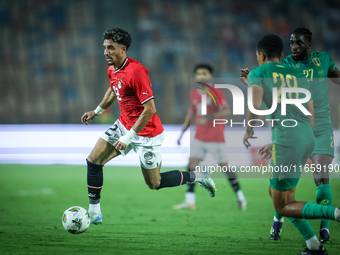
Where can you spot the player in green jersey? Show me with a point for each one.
(318, 67)
(291, 146)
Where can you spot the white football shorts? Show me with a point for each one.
(147, 148)
(198, 149)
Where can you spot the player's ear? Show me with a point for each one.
(309, 45)
(124, 49)
(263, 56)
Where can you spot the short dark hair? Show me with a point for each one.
(305, 32)
(204, 65)
(119, 36)
(271, 45)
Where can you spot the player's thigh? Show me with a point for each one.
(282, 197)
(219, 152)
(323, 155)
(102, 152)
(324, 142)
(321, 162)
(285, 173)
(197, 153)
(152, 176)
(150, 157)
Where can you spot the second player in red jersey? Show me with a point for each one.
(208, 139)
(204, 126)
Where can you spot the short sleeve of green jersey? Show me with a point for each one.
(285, 62)
(254, 78)
(329, 62)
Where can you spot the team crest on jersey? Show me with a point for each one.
(316, 61)
(117, 82)
(297, 65)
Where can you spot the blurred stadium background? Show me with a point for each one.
(52, 67)
(52, 70)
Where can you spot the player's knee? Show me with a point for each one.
(153, 184)
(320, 180)
(90, 158)
(279, 210)
(93, 159)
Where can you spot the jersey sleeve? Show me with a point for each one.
(221, 94)
(330, 62)
(285, 61)
(192, 107)
(140, 82)
(109, 71)
(254, 78)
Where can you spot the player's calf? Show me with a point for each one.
(174, 178)
(94, 181)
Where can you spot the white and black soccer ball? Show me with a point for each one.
(76, 220)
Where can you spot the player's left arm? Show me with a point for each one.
(144, 118)
(140, 83)
(266, 151)
(257, 103)
(334, 76)
(222, 112)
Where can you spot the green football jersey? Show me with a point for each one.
(275, 75)
(316, 70)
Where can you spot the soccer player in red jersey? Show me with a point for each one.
(207, 138)
(137, 128)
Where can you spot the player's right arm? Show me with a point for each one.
(244, 75)
(185, 126)
(266, 151)
(107, 101)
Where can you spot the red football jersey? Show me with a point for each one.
(132, 87)
(206, 132)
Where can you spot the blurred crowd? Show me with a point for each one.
(52, 68)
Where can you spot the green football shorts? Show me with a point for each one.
(324, 141)
(286, 162)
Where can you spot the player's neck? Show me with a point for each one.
(119, 63)
(273, 60)
(308, 55)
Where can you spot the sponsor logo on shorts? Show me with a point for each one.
(149, 156)
(332, 142)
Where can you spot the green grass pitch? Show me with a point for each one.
(138, 220)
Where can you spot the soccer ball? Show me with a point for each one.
(76, 220)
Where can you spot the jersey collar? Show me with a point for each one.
(122, 65)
